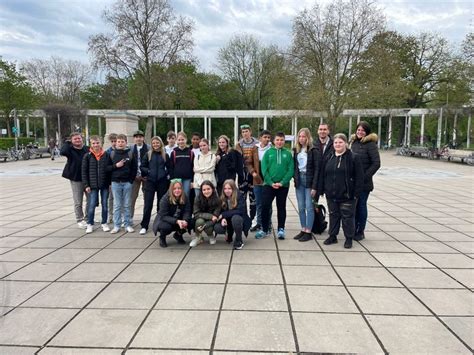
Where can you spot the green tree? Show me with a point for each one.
(15, 93)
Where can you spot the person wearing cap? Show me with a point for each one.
(139, 150)
(246, 146)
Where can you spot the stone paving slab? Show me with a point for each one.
(406, 288)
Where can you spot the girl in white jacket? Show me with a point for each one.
(204, 165)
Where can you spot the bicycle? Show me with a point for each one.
(13, 154)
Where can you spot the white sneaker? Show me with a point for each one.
(212, 240)
(105, 227)
(122, 225)
(115, 230)
(89, 228)
(142, 231)
(196, 241)
(130, 229)
(82, 224)
(254, 223)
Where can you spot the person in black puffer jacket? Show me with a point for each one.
(364, 144)
(174, 214)
(74, 150)
(229, 163)
(96, 180)
(154, 168)
(341, 181)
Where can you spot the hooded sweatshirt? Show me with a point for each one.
(277, 166)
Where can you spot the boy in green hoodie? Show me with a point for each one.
(277, 171)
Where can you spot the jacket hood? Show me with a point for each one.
(372, 137)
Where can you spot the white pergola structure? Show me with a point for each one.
(409, 114)
(179, 115)
(206, 115)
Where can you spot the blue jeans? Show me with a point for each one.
(305, 203)
(93, 198)
(257, 189)
(122, 195)
(187, 186)
(361, 212)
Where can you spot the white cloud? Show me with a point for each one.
(40, 29)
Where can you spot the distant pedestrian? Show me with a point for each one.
(96, 181)
(74, 150)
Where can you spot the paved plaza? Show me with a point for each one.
(406, 288)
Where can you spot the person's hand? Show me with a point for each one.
(88, 189)
(120, 163)
(313, 192)
(218, 157)
(182, 224)
(191, 186)
(214, 219)
(254, 174)
(276, 185)
(224, 222)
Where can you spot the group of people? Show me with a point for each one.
(206, 192)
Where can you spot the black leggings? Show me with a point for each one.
(151, 188)
(234, 224)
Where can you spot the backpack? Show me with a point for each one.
(319, 224)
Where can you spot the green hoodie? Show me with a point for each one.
(277, 166)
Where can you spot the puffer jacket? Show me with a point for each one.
(366, 149)
(170, 213)
(351, 180)
(94, 172)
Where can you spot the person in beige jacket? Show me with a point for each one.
(204, 166)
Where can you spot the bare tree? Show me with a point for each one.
(57, 79)
(327, 42)
(248, 63)
(144, 33)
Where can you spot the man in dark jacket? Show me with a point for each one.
(96, 181)
(324, 148)
(123, 168)
(74, 150)
(139, 151)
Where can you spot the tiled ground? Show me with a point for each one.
(407, 288)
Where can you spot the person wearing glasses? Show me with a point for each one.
(174, 214)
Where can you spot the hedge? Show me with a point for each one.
(6, 143)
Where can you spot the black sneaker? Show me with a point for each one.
(163, 242)
(331, 240)
(359, 236)
(179, 238)
(348, 243)
(228, 238)
(299, 235)
(238, 245)
(306, 237)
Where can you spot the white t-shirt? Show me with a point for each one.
(302, 158)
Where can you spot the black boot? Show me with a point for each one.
(179, 238)
(306, 237)
(331, 240)
(163, 242)
(299, 235)
(359, 236)
(348, 243)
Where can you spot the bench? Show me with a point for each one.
(3, 155)
(464, 156)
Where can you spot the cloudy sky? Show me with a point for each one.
(43, 28)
